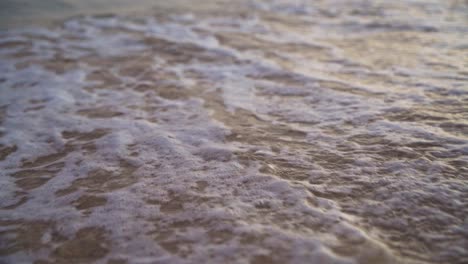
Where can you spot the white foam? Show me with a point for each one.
(312, 175)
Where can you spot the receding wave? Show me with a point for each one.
(273, 132)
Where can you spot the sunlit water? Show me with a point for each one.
(250, 132)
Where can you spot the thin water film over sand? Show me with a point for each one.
(250, 132)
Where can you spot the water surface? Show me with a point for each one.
(250, 132)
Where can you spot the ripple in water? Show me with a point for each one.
(266, 132)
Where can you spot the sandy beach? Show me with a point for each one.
(252, 131)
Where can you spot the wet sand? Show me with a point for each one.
(251, 132)
(27, 13)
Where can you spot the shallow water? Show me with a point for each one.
(251, 132)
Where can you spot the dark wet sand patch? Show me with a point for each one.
(101, 180)
(89, 201)
(5, 151)
(88, 244)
